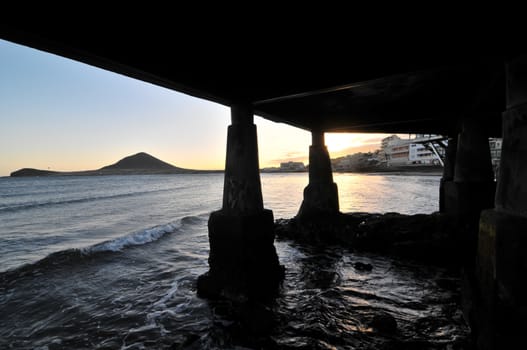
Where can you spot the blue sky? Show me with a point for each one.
(64, 115)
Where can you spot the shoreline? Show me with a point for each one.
(401, 173)
(198, 172)
(26, 172)
(423, 172)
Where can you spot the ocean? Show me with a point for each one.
(111, 262)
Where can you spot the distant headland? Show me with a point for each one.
(137, 164)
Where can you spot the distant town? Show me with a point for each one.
(419, 152)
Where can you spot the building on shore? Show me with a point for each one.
(426, 150)
(356, 162)
(286, 167)
(419, 151)
(495, 154)
(292, 166)
(422, 150)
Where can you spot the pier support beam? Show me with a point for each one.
(500, 315)
(243, 261)
(321, 194)
(473, 187)
(448, 171)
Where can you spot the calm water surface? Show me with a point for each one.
(111, 263)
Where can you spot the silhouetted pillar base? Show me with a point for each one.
(448, 171)
(471, 189)
(467, 199)
(243, 260)
(464, 202)
(499, 314)
(442, 195)
(320, 200)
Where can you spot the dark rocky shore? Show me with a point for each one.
(433, 240)
(428, 238)
(426, 241)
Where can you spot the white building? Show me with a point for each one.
(399, 152)
(292, 166)
(495, 154)
(414, 151)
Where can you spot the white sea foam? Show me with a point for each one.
(136, 238)
(170, 293)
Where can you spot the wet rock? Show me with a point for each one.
(208, 287)
(363, 266)
(411, 345)
(448, 283)
(256, 318)
(419, 237)
(384, 322)
(190, 341)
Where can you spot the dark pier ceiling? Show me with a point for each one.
(308, 84)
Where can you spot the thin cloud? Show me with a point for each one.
(295, 154)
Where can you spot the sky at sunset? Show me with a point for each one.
(59, 114)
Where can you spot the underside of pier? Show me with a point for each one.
(328, 89)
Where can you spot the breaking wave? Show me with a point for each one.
(137, 238)
(74, 255)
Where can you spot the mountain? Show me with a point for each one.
(33, 172)
(140, 163)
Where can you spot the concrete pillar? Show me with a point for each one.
(500, 315)
(321, 194)
(473, 187)
(243, 261)
(448, 170)
(242, 191)
(473, 162)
